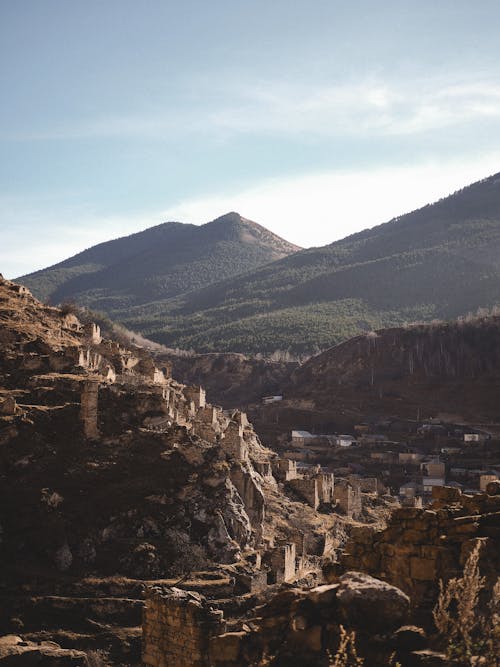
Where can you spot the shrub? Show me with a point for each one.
(471, 634)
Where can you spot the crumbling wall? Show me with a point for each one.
(307, 488)
(326, 487)
(367, 484)
(233, 442)
(177, 628)
(421, 546)
(348, 499)
(296, 627)
(285, 469)
(197, 395)
(88, 408)
(281, 562)
(93, 333)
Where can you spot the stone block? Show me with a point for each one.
(423, 569)
(226, 647)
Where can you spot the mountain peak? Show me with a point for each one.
(160, 262)
(235, 226)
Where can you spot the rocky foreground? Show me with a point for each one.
(140, 524)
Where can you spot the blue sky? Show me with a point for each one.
(316, 118)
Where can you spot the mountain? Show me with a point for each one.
(441, 261)
(158, 263)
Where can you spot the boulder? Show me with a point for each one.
(409, 638)
(370, 604)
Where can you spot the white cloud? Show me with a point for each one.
(320, 208)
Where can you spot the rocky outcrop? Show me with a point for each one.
(16, 651)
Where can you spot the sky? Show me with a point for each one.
(315, 118)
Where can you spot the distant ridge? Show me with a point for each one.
(440, 261)
(232, 285)
(159, 263)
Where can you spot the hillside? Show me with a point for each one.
(158, 263)
(440, 261)
(448, 371)
(115, 476)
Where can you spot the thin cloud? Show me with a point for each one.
(316, 209)
(372, 107)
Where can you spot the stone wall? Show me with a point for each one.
(88, 408)
(285, 469)
(421, 546)
(348, 499)
(306, 488)
(197, 395)
(233, 442)
(325, 487)
(367, 484)
(295, 627)
(177, 627)
(281, 563)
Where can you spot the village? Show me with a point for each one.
(403, 459)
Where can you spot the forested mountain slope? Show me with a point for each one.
(158, 263)
(440, 261)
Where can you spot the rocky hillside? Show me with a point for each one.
(112, 474)
(231, 379)
(158, 263)
(441, 261)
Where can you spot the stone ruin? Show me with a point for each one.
(281, 563)
(177, 628)
(88, 409)
(314, 486)
(420, 546)
(295, 626)
(348, 498)
(118, 397)
(301, 627)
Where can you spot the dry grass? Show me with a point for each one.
(471, 633)
(347, 655)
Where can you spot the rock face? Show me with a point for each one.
(147, 463)
(112, 470)
(375, 604)
(16, 651)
